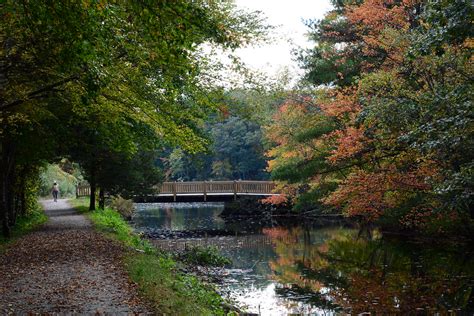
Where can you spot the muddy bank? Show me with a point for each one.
(246, 207)
(252, 207)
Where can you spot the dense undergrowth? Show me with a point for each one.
(156, 273)
(34, 218)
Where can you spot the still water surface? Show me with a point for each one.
(311, 270)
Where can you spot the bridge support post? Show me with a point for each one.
(174, 191)
(235, 190)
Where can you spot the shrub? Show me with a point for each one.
(205, 256)
(123, 206)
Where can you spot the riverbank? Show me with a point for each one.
(253, 210)
(159, 277)
(247, 207)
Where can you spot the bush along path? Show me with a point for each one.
(66, 267)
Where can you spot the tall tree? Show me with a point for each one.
(397, 78)
(137, 62)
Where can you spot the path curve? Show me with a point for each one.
(66, 267)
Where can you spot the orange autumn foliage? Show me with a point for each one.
(349, 142)
(423, 217)
(369, 194)
(288, 117)
(293, 117)
(276, 232)
(373, 19)
(376, 15)
(342, 102)
(276, 199)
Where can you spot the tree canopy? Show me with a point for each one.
(389, 137)
(89, 80)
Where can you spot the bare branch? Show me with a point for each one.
(32, 94)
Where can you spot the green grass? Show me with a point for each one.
(24, 224)
(81, 204)
(205, 256)
(172, 292)
(157, 274)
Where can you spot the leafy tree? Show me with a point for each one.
(129, 177)
(295, 156)
(397, 102)
(238, 143)
(407, 110)
(235, 152)
(236, 149)
(221, 170)
(92, 70)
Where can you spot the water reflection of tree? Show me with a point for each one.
(297, 249)
(168, 217)
(374, 275)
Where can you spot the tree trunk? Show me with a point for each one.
(10, 198)
(92, 197)
(21, 193)
(5, 226)
(101, 199)
(3, 204)
(6, 167)
(23, 209)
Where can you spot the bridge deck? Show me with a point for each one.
(204, 190)
(214, 194)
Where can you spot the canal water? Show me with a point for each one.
(310, 269)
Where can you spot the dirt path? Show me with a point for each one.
(65, 267)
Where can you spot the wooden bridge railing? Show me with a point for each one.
(83, 190)
(217, 187)
(204, 188)
(257, 187)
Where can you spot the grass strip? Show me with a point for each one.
(156, 273)
(24, 224)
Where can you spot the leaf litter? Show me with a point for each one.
(66, 267)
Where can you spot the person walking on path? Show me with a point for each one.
(55, 191)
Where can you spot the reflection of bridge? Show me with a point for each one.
(203, 191)
(212, 190)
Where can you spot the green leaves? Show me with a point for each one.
(444, 22)
(394, 136)
(103, 81)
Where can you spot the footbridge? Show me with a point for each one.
(213, 190)
(194, 191)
